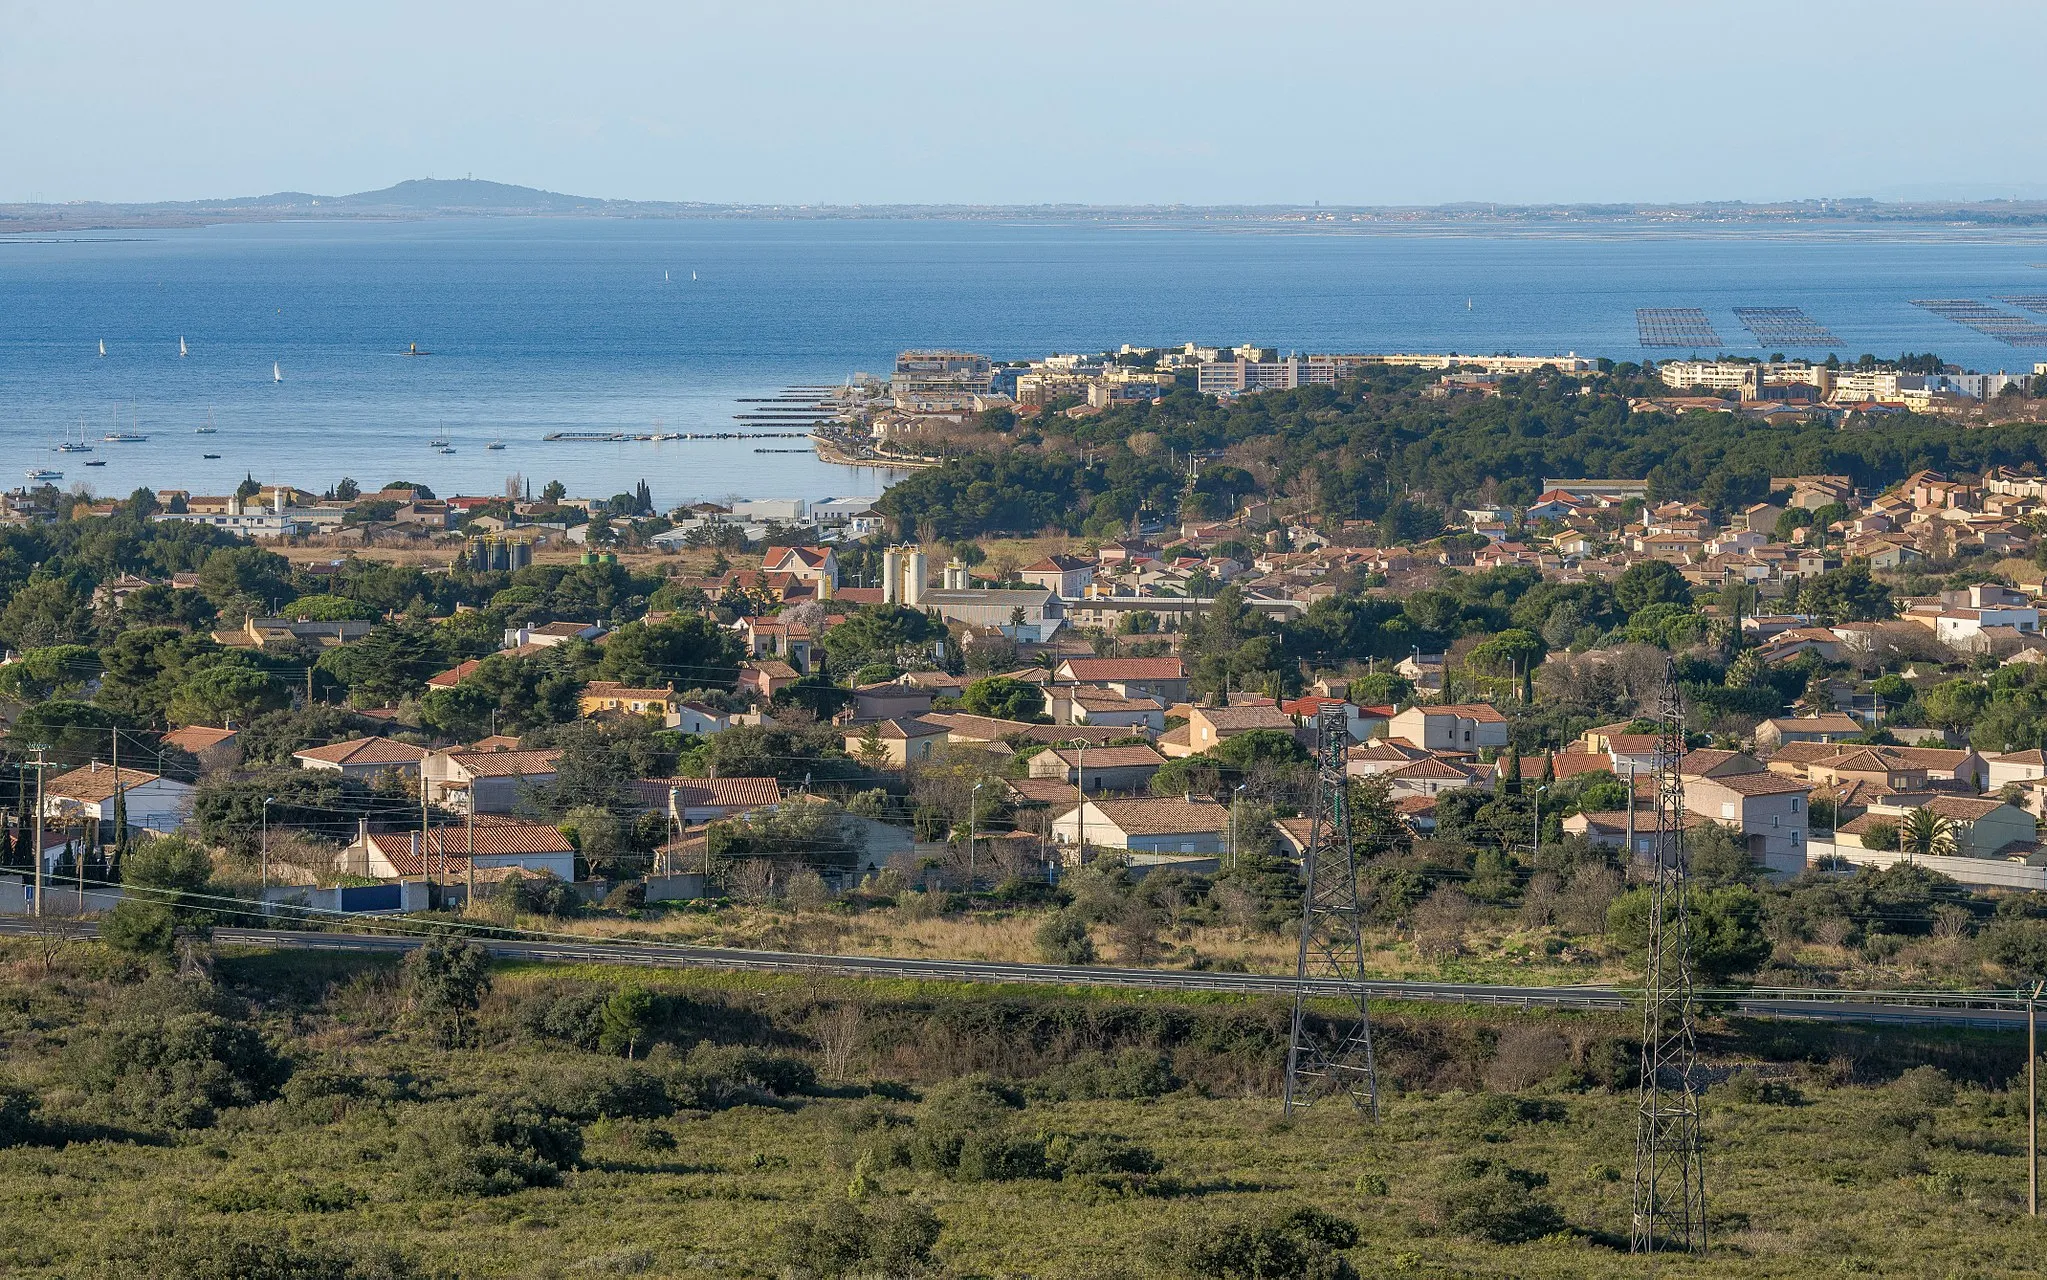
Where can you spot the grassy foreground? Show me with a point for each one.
(305, 1117)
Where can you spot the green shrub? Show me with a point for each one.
(178, 1070)
(1485, 1200)
(1134, 1073)
(323, 1094)
(446, 981)
(139, 928)
(1928, 1086)
(575, 1017)
(727, 1075)
(236, 1252)
(487, 1150)
(892, 1240)
(1063, 939)
(596, 1090)
(1494, 1110)
(18, 1109)
(1300, 1244)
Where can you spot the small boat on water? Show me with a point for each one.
(182, 353)
(447, 448)
(97, 462)
(103, 348)
(437, 443)
(276, 372)
(125, 437)
(43, 473)
(75, 446)
(495, 445)
(208, 455)
(206, 430)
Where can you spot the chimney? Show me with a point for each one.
(362, 832)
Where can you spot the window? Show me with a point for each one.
(1794, 804)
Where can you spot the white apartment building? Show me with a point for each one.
(1232, 377)
(940, 381)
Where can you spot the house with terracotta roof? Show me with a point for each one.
(1766, 811)
(149, 801)
(1210, 727)
(1367, 759)
(445, 853)
(1982, 827)
(707, 799)
(362, 757)
(1100, 768)
(1149, 825)
(971, 729)
(486, 781)
(214, 749)
(2017, 766)
(1831, 727)
(905, 740)
(609, 697)
(891, 700)
(1086, 704)
(1430, 776)
(766, 677)
(815, 565)
(1466, 726)
(1161, 678)
(1067, 577)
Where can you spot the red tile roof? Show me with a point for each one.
(699, 793)
(364, 751)
(495, 837)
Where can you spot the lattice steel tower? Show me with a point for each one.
(1670, 1179)
(1332, 954)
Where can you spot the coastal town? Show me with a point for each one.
(1076, 681)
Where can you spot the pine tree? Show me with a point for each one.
(67, 863)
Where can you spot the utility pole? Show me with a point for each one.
(39, 764)
(973, 833)
(469, 886)
(2032, 1102)
(267, 802)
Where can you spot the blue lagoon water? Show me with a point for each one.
(540, 325)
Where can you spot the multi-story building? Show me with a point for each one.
(1232, 377)
(940, 381)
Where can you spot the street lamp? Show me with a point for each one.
(267, 802)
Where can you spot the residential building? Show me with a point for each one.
(147, 800)
(445, 853)
(1831, 727)
(1768, 811)
(1210, 727)
(486, 781)
(890, 700)
(1982, 827)
(214, 749)
(707, 799)
(1100, 768)
(1233, 377)
(551, 633)
(1450, 727)
(609, 697)
(363, 757)
(1031, 614)
(1162, 678)
(2017, 766)
(1088, 705)
(1067, 577)
(818, 565)
(904, 740)
(1150, 825)
(939, 381)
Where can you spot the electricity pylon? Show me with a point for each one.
(1339, 1057)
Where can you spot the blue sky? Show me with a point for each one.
(877, 101)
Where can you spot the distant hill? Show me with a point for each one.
(452, 194)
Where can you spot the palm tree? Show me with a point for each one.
(1926, 833)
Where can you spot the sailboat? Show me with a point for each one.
(206, 430)
(182, 353)
(664, 277)
(495, 445)
(276, 372)
(103, 348)
(75, 446)
(1467, 304)
(692, 275)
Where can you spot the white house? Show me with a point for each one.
(1155, 825)
(146, 799)
(363, 757)
(444, 853)
(485, 781)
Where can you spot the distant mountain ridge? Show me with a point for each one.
(422, 195)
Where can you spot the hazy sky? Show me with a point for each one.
(876, 101)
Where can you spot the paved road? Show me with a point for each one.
(1976, 1009)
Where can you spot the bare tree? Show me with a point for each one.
(838, 1034)
(1440, 922)
(1592, 889)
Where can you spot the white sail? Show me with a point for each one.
(276, 372)
(181, 346)
(103, 348)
